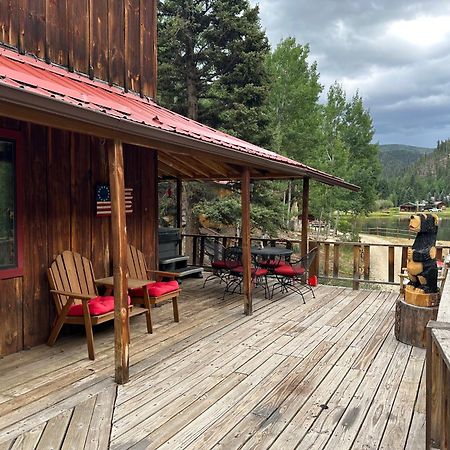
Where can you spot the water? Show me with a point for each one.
(401, 224)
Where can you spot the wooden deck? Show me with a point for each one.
(328, 374)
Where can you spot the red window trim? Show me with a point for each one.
(17, 138)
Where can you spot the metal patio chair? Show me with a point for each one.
(294, 276)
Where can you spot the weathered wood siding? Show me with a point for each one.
(61, 171)
(114, 41)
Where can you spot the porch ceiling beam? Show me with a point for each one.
(188, 166)
(219, 169)
(164, 170)
(177, 167)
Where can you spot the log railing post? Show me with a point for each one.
(202, 250)
(391, 259)
(194, 250)
(356, 265)
(336, 260)
(314, 269)
(367, 262)
(326, 261)
(119, 246)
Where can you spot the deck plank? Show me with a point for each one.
(325, 374)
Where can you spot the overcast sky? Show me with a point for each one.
(395, 52)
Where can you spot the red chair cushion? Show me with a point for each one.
(271, 263)
(219, 264)
(156, 289)
(97, 306)
(289, 271)
(255, 272)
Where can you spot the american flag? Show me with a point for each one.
(103, 200)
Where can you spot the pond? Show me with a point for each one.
(398, 226)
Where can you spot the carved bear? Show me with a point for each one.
(422, 268)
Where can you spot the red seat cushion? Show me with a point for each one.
(156, 289)
(289, 271)
(97, 306)
(219, 264)
(255, 272)
(271, 263)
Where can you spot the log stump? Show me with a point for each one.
(411, 322)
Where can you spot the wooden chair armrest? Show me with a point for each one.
(172, 275)
(74, 295)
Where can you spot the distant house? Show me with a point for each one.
(409, 207)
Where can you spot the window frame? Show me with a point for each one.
(11, 135)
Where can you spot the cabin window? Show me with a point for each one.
(10, 245)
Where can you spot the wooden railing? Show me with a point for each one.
(390, 232)
(438, 376)
(350, 263)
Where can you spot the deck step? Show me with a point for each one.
(173, 259)
(189, 271)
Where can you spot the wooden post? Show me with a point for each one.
(305, 213)
(151, 231)
(356, 265)
(179, 208)
(335, 260)
(391, 259)
(314, 269)
(119, 246)
(326, 262)
(245, 234)
(367, 262)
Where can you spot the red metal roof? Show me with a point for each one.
(26, 73)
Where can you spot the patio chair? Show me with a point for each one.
(294, 276)
(236, 274)
(77, 302)
(155, 291)
(215, 252)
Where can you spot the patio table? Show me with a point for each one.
(133, 283)
(271, 252)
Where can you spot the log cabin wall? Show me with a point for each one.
(114, 41)
(61, 170)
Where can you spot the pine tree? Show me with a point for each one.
(212, 65)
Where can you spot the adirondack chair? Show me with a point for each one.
(155, 291)
(73, 288)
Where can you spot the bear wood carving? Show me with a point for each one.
(421, 266)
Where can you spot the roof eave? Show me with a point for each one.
(103, 125)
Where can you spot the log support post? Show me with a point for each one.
(119, 246)
(180, 211)
(305, 213)
(151, 233)
(245, 234)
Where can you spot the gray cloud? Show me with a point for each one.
(402, 73)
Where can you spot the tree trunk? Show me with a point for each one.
(191, 81)
(192, 226)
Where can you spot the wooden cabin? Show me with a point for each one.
(76, 112)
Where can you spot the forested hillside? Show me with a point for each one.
(417, 174)
(395, 158)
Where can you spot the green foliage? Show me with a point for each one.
(212, 65)
(226, 211)
(294, 100)
(347, 152)
(266, 213)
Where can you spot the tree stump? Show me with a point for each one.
(411, 322)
